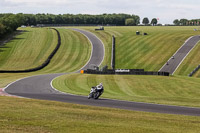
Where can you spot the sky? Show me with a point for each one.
(165, 10)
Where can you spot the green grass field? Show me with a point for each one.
(149, 52)
(25, 115)
(72, 55)
(28, 50)
(144, 52)
(47, 116)
(181, 91)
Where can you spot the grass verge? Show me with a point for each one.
(26, 115)
(151, 89)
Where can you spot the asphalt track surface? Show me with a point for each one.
(175, 61)
(39, 87)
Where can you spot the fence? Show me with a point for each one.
(194, 71)
(125, 72)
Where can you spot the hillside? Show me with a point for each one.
(144, 52)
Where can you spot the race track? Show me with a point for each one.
(174, 62)
(39, 87)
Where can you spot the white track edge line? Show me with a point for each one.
(185, 57)
(176, 52)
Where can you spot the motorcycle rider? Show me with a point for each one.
(98, 88)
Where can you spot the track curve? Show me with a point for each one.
(38, 87)
(174, 62)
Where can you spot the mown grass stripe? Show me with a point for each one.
(163, 90)
(38, 67)
(173, 36)
(49, 116)
(149, 61)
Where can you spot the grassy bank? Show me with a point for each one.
(25, 115)
(148, 52)
(72, 55)
(152, 89)
(28, 50)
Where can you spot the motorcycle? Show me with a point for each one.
(95, 92)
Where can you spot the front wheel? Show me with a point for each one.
(90, 95)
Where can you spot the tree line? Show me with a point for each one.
(10, 22)
(186, 22)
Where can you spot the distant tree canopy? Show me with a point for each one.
(135, 20)
(129, 22)
(10, 22)
(145, 21)
(154, 21)
(112, 19)
(185, 22)
(176, 22)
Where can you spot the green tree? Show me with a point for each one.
(183, 22)
(2, 30)
(137, 19)
(154, 21)
(145, 21)
(176, 22)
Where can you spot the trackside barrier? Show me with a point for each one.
(194, 71)
(113, 53)
(126, 72)
(47, 61)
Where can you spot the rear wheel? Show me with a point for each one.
(96, 95)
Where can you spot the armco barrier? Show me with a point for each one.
(47, 61)
(126, 72)
(194, 71)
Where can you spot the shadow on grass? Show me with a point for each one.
(11, 37)
(17, 38)
(3, 47)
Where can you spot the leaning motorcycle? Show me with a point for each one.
(95, 93)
